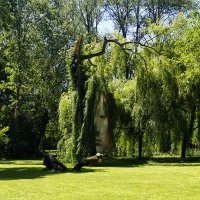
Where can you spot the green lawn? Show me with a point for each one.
(27, 180)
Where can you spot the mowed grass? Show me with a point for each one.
(27, 180)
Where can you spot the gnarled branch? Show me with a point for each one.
(106, 41)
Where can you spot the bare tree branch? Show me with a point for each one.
(106, 41)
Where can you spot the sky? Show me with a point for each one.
(106, 27)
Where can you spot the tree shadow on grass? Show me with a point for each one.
(86, 170)
(17, 169)
(175, 161)
(16, 173)
(124, 162)
(162, 161)
(22, 173)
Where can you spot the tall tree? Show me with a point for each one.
(188, 80)
(121, 14)
(5, 30)
(34, 59)
(166, 9)
(90, 14)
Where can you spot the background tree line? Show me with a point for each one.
(154, 80)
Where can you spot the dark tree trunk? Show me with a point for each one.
(183, 148)
(127, 68)
(140, 138)
(198, 126)
(188, 133)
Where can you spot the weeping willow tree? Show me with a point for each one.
(87, 109)
(79, 106)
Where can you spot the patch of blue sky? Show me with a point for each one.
(106, 27)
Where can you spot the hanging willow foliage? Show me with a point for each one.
(66, 118)
(86, 140)
(79, 135)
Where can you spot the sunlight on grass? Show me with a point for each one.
(27, 180)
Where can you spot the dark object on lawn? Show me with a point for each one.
(51, 162)
(88, 161)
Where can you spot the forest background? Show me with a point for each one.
(151, 68)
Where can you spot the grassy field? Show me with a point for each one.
(124, 179)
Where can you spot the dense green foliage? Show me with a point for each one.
(152, 82)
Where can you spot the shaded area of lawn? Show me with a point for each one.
(33, 173)
(21, 173)
(168, 161)
(174, 161)
(12, 170)
(30, 169)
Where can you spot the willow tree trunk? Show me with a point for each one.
(140, 143)
(188, 133)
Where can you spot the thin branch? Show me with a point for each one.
(145, 63)
(92, 55)
(144, 45)
(195, 128)
(92, 63)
